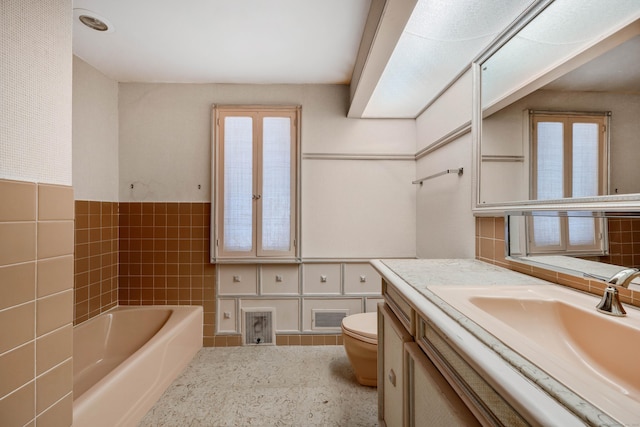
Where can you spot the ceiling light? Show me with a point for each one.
(93, 23)
(93, 20)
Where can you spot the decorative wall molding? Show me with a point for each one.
(356, 156)
(446, 139)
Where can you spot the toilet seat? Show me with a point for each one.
(362, 326)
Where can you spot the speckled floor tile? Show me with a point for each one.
(266, 386)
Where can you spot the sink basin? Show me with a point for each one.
(560, 331)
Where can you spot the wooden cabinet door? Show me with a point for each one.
(391, 368)
(431, 400)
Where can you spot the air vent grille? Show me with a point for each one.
(258, 326)
(328, 319)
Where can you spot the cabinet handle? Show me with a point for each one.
(392, 377)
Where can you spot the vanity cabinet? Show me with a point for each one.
(412, 391)
(454, 371)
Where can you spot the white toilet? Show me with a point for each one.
(360, 337)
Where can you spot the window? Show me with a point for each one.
(569, 159)
(256, 177)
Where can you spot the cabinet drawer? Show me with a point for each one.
(361, 279)
(227, 316)
(238, 280)
(321, 279)
(279, 279)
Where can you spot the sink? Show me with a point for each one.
(560, 331)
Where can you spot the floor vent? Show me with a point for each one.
(327, 319)
(258, 326)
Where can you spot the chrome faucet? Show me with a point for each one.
(610, 303)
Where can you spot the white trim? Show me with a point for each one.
(356, 156)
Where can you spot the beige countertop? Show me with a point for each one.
(421, 273)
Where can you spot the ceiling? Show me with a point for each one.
(223, 41)
(615, 71)
(396, 58)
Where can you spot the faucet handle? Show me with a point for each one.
(610, 303)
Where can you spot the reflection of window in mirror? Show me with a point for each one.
(568, 155)
(567, 235)
(568, 160)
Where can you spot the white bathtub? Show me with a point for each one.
(124, 359)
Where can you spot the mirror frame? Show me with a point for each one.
(617, 202)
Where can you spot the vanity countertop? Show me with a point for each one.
(421, 273)
(413, 278)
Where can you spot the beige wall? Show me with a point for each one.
(445, 226)
(35, 137)
(95, 134)
(36, 217)
(447, 113)
(358, 209)
(350, 208)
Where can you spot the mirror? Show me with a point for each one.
(570, 56)
(615, 237)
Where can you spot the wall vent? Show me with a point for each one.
(258, 326)
(324, 319)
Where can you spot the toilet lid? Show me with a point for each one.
(364, 325)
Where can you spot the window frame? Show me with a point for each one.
(257, 254)
(568, 118)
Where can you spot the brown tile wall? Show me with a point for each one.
(36, 303)
(96, 258)
(490, 247)
(624, 242)
(164, 257)
(152, 253)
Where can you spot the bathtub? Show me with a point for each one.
(124, 359)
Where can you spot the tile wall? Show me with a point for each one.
(152, 253)
(164, 257)
(624, 242)
(36, 303)
(96, 258)
(490, 247)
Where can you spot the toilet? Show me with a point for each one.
(360, 338)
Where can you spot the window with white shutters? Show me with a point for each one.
(256, 173)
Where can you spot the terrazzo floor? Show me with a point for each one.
(266, 386)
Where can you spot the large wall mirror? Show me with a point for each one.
(584, 243)
(557, 108)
